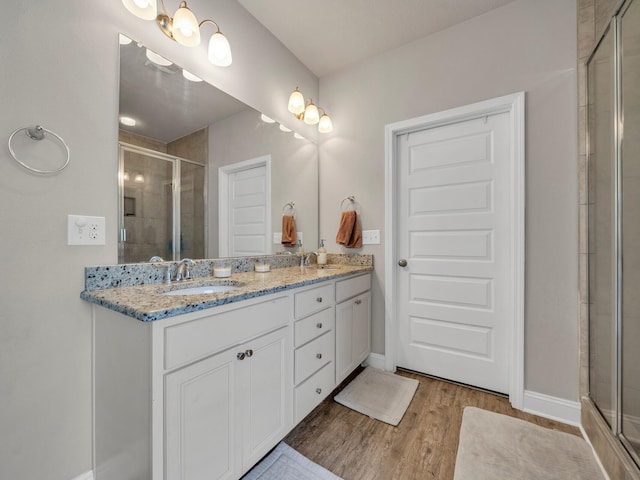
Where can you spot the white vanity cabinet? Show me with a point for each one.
(205, 395)
(353, 324)
(198, 396)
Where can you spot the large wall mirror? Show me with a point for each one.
(201, 174)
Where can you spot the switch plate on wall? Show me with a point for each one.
(85, 230)
(371, 237)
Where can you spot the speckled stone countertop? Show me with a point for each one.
(146, 302)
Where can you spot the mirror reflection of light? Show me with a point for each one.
(139, 178)
(128, 121)
(126, 176)
(266, 119)
(284, 129)
(298, 136)
(190, 76)
(124, 40)
(158, 59)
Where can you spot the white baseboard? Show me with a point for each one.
(85, 476)
(553, 408)
(376, 360)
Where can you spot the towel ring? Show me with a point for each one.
(291, 206)
(38, 133)
(355, 205)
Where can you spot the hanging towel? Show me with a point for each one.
(288, 231)
(349, 233)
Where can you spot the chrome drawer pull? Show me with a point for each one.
(319, 299)
(319, 356)
(319, 325)
(318, 391)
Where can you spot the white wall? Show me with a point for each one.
(60, 69)
(528, 45)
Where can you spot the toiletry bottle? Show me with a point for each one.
(300, 249)
(322, 253)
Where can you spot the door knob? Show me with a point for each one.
(402, 262)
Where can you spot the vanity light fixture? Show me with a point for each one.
(266, 119)
(308, 112)
(183, 27)
(158, 59)
(284, 129)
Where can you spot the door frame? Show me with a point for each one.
(223, 200)
(514, 105)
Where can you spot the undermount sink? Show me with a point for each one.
(208, 288)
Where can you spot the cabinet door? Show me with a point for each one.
(267, 394)
(352, 334)
(200, 412)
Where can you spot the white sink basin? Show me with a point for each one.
(202, 290)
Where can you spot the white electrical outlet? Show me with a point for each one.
(85, 230)
(371, 237)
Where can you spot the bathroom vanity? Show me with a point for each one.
(214, 381)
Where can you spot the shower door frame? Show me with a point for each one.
(176, 189)
(614, 27)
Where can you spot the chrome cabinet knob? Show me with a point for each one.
(319, 356)
(318, 391)
(240, 356)
(402, 262)
(319, 325)
(358, 302)
(319, 299)
(249, 353)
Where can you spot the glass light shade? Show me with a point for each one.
(145, 9)
(298, 136)
(266, 119)
(190, 76)
(284, 129)
(139, 178)
(185, 28)
(219, 50)
(157, 59)
(123, 39)
(311, 114)
(325, 125)
(296, 102)
(128, 121)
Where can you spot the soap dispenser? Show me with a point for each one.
(300, 249)
(322, 253)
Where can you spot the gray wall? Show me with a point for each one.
(528, 45)
(61, 70)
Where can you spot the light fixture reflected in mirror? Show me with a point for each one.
(139, 178)
(284, 129)
(183, 27)
(190, 76)
(128, 121)
(157, 59)
(266, 119)
(308, 112)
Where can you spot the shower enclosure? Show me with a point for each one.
(614, 226)
(162, 207)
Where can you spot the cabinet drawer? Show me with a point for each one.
(352, 286)
(313, 326)
(192, 340)
(313, 300)
(309, 395)
(313, 356)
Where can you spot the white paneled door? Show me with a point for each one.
(455, 292)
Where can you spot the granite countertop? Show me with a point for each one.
(146, 302)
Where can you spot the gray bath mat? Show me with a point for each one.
(495, 447)
(379, 394)
(284, 463)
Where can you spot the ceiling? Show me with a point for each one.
(327, 35)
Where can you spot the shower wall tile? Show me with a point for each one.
(192, 147)
(140, 141)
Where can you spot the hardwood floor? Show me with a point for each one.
(423, 446)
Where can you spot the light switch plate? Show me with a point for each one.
(371, 237)
(85, 230)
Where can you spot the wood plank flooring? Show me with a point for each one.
(423, 446)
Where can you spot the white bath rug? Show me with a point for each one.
(379, 394)
(284, 463)
(496, 447)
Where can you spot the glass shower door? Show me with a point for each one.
(630, 228)
(146, 204)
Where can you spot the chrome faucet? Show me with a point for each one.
(183, 270)
(305, 260)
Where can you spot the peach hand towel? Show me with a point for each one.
(349, 233)
(288, 231)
